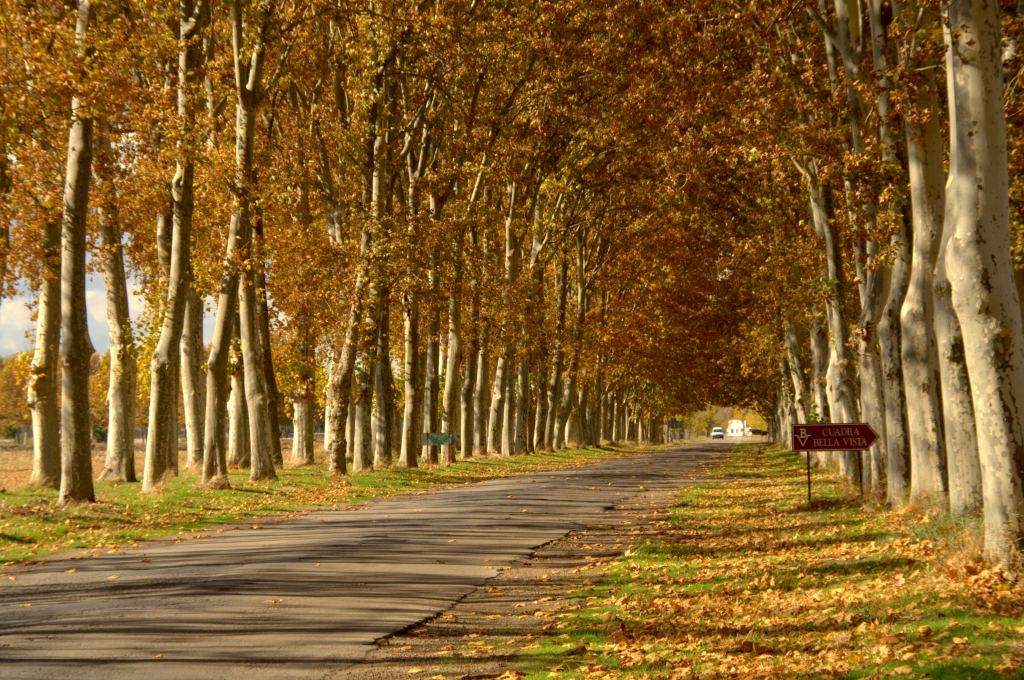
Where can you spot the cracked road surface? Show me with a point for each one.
(302, 598)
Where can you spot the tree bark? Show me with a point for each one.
(961, 439)
(840, 394)
(384, 387)
(409, 455)
(449, 415)
(42, 394)
(76, 349)
(340, 384)
(796, 373)
(919, 353)
(273, 394)
(897, 445)
(980, 269)
(119, 463)
(431, 382)
(869, 367)
(162, 443)
(193, 389)
(554, 387)
(239, 449)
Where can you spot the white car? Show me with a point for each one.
(718, 433)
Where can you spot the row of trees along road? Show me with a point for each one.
(526, 223)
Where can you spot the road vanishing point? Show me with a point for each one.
(307, 597)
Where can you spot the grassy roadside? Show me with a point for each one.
(31, 526)
(742, 580)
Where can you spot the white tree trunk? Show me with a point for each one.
(193, 389)
(961, 439)
(919, 352)
(302, 422)
(981, 272)
(409, 455)
(796, 372)
(119, 463)
(42, 393)
(76, 350)
(897, 446)
(239, 451)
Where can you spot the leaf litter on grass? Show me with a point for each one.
(743, 580)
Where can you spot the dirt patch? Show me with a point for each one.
(483, 634)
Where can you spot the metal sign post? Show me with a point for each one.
(833, 437)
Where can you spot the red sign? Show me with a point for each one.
(833, 437)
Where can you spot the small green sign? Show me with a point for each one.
(437, 439)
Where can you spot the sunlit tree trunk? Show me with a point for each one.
(384, 388)
(555, 385)
(193, 389)
(76, 350)
(468, 414)
(239, 449)
(162, 442)
(431, 382)
(273, 394)
(897, 444)
(980, 269)
(119, 463)
(409, 456)
(961, 439)
(796, 373)
(919, 352)
(42, 393)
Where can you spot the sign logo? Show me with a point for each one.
(833, 437)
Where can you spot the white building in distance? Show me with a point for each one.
(737, 428)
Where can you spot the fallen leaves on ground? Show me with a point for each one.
(742, 581)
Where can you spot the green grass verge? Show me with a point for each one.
(31, 526)
(745, 581)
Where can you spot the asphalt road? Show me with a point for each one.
(302, 598)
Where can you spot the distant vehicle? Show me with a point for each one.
(755, 431)
(718, 433)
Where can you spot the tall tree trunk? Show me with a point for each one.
(409, 456)
(76, 350)
(431, 383)
(870, 370)
(897, 444)
(819, 362)
(481, 394)
(239, 449)
(162, 443)
(508, 443)
(980, 269)
(329, 401)
(555, 386)
(796, 373)
(273, 394)
(42, 393)
(302, 425)
(961, 439)
(362, 451)
(340, 384)
(449, 415)
(215, 451)
(384, 387)
(840, 393)
(193, 389)
(919, 352)
(468, 414)
(119, 463)
(303, 402)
